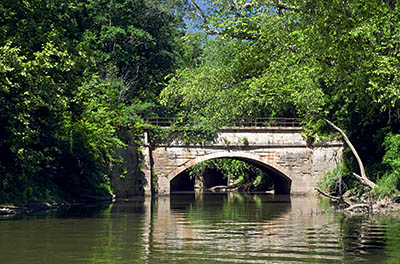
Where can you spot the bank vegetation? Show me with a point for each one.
(74, 73)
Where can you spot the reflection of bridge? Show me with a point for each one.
(278, 148)
(223, 228)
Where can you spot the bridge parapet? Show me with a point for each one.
(259, 136)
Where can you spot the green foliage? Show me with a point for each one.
(339, 180)
(191, 49)
(222, 87)
(389, 183)
(73, 75)
(328, 182)
(135, 42)
(292, 63)
(321, 58)
(154, 180)
(226, 141)
(392, 155)
(32, 102)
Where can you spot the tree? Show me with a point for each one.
(73, 73)
(334, 59)
(226, 85)
(136, 43)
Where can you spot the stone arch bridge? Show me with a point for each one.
(295, 165)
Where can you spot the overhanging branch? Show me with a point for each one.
(203, 17)
(201, 12)
(237, 7)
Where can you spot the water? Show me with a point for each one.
(225, 228)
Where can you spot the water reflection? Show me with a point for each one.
(190, 228)
(242, 228)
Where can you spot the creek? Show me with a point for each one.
(200, 228)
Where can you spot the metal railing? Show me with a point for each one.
(160, 121)
(268, 122)
(242, 122)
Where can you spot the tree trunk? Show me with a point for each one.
(363, 178)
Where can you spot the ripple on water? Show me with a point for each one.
(217, 229)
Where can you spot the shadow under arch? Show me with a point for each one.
(279, 175)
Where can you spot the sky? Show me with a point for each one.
(203, 6)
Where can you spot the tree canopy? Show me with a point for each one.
(332, 59)
(73, 73)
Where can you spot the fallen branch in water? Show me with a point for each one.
(357, 206)
(224, 188)
(334, 198)
(350, 206)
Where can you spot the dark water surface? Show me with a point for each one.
(224, 228)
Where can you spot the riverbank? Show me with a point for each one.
(381, 207)
(17, 209)
(6, 210)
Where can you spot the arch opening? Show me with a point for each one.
(184, 180)
(281, 183)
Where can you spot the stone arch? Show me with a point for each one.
(284, 181)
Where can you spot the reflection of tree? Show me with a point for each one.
(370, 237)
(242, 227)
(223, 228)
(77, 235)
(238, 219)
(122, 229)
(392, 239)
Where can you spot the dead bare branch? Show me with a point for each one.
(350, 206)
(223, 188)
(365, 181)
(356, 206)
(334, 198)
(363, 178)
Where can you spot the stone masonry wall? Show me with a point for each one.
(131, 183)
(284, 150)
